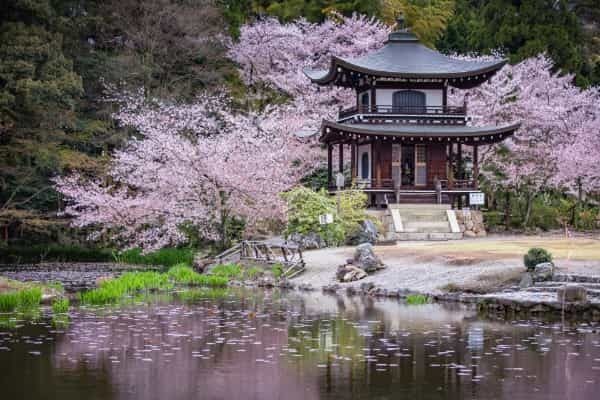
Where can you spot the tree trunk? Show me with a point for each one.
(507, 210)
(529, 199)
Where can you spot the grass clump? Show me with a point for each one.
(167, 257)
(24, 298)
(231, 271)
(277, 270)
(251, 273)
(112, 290)
(416, 299)
(535, 256)
(184, 275)
(60, 306)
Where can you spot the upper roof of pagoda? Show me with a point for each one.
(404, 59)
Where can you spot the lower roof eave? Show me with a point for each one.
(335, 132)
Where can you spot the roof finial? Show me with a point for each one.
(400, 23)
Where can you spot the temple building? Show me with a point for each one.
(406, 144)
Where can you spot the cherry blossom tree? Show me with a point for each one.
(555, 117)
(200, 163)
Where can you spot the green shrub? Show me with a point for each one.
(493, 219)
(536, 256)
(60, 306)
(544, 216)
(232, 271)
(587, 219)
(112, 290)
(164, 257)
(305, 206)
(416, 299)
(14, 254)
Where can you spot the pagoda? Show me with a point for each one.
(406, 143)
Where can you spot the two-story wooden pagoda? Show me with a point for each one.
(406, 142)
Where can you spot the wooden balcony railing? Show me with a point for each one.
(404, 110)
(388, 184)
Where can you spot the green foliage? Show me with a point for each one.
(417, 299)
(493, 219)
(24, 298)
(587, 219)
(60, 306)
(251, 273)
(13, 254)
(427, 19)
(233, 271)
(536, 256)
(113, 290)
(277, 270)
(166, 257)
(305, 206)
(520, 29)
(184, 275)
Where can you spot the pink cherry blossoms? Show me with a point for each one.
(195, 160)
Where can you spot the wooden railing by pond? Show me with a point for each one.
(404, 110)
(290, 256)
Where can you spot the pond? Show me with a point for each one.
(255, 344)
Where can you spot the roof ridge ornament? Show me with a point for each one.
(402, 33)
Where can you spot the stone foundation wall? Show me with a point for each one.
(470, 223)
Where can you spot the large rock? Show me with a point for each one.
(571, 294)
(543, 272)
(350, 273)
(367, 233)
(526, 280)
(365, 258)
(308, 241)
(201, 262)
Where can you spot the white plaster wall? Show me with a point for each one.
(433, 97)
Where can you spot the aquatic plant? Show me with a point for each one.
(8, 301)
(166, 257)
(184, 275)
(251, 273)
(535, 256)
(24, 298)
(416, 299)
(60, 306)
(277, 270)
(227, 270)
(112, 290)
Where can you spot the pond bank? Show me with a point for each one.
(481, 272)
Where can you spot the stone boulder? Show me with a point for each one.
(543, 272)
(365, 258)
(571, 294)
(367, 233)
(201, 262)
(309, 241)
(526, 280)
(350, 273)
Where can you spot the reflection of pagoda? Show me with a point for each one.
(405, 141)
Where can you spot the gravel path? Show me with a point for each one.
(418, 271)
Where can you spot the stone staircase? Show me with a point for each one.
(421, 222)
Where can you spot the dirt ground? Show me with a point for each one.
(478, 265)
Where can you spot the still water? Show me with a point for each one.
(274, 345)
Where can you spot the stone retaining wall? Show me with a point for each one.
(470, 223)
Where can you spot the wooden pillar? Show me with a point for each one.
(352, 163)
(476, 166)
(329, 164)
(459, 162)
(450, 166)
(341, 159)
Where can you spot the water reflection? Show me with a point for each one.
(269, 345)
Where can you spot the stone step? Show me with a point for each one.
(417, 206)
(533, 289)
(589, 285)
(404, 236)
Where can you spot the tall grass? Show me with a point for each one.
(24, 298)
(227, 270)
(416, 299)
(163, 257)
(60, 306)
(184, 275)
(112, 290)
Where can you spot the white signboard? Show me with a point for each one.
(477, 199)
(339, 180)
(325, 219)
